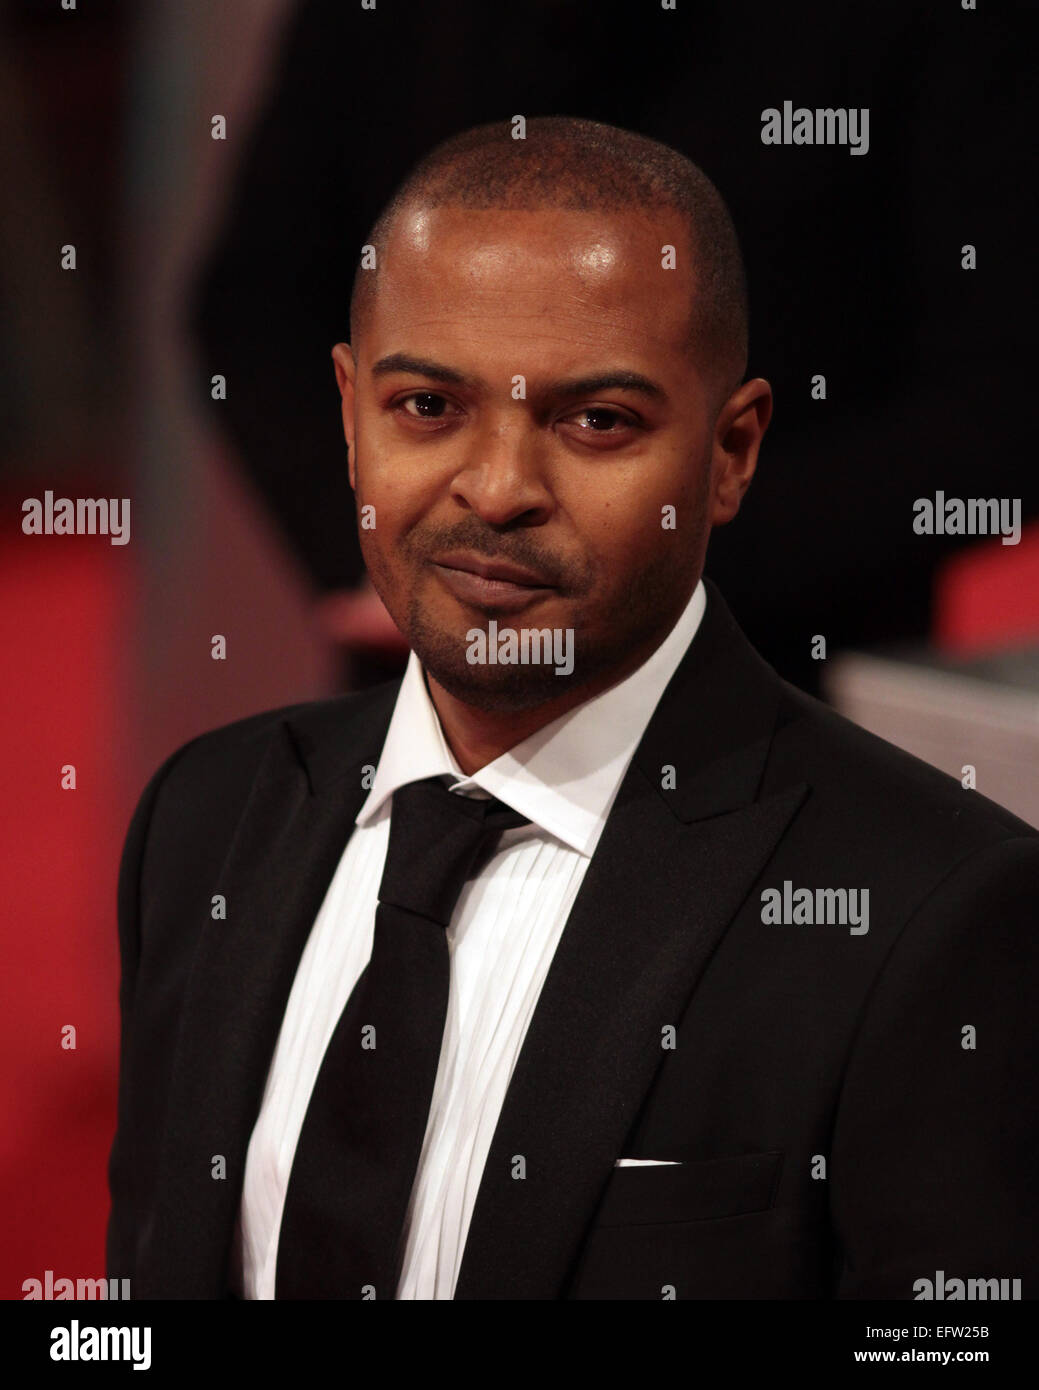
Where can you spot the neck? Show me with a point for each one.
(477, 736)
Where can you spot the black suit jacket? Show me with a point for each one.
(834, 1135)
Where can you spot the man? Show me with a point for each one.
(592, 960)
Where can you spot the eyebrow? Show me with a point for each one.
(621, 380)
(419, 366)
(612, 381)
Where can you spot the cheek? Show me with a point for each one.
(400, 489)
(639, 513)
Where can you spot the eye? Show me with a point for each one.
(425, 405)
(601, 419)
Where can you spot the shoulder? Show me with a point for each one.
(208, 778)
(851, 763)
(876, 806)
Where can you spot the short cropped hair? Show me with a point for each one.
(568, 162)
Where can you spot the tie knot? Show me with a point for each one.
(436, 839)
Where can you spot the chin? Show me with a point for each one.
(494, 687)
(513, 691)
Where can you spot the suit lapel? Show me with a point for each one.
(669, 874)
(285, 850)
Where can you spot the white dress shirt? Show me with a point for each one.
(503, 933)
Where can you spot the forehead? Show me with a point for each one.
(537, 279)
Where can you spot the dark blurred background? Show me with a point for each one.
(198, 257)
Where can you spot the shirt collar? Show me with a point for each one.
(564, 777)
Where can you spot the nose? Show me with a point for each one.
(502, 478)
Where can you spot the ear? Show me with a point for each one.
(346, 379)
(738, 432)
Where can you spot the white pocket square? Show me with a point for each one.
(645, 1162)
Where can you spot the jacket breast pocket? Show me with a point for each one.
(701, 1191)
(712, 1229)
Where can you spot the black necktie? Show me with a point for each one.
(358, 1150)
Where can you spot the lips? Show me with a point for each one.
(502, 570)
(482, 583)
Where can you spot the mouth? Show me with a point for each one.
(486, 583)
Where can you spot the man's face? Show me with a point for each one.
(534, 442)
